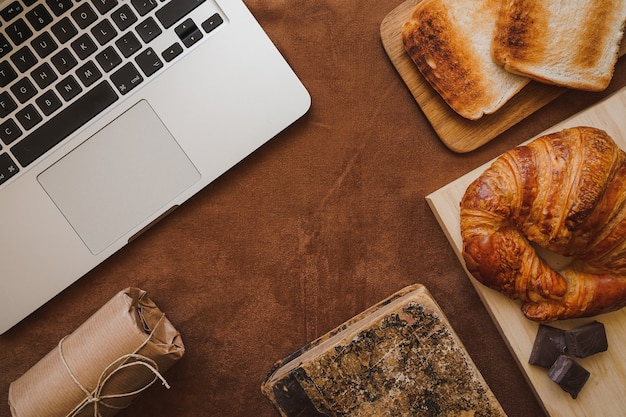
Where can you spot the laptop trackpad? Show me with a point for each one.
(118, 178)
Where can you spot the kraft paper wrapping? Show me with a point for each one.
(97, 370)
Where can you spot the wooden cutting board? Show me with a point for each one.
(603, 394)
(457, 133)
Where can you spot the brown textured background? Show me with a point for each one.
(322, 222)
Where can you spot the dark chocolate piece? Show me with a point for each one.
(549, 345)
(586, 340)
(569, 374)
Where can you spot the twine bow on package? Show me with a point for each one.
(97, 370)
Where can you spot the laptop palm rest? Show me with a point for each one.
(118, 178)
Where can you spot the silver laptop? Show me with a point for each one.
(114, 112)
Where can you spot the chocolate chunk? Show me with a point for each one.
(549, 345)
(569, 374)
(586, 340)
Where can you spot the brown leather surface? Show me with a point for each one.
(319, 224)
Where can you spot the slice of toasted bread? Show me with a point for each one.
(571, 43)
(450, 42)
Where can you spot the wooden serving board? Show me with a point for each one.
(603, 394)
(457, 133)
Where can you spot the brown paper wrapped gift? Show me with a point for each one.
(120, 351)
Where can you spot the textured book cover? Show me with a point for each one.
(399, 358)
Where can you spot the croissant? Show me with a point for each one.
(564, 192)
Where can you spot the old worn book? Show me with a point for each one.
(401, 357)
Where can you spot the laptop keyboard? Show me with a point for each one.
(62, 62)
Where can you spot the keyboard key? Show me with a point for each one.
(188, 32)
(24, 59)
(192, 38)
(64, 30)
(5, 46)
(48, 102)
(44, 75)
(126, 78)
(143, 6)
(84, 46)
(64, 61)
(185, 28)
(172, 52)
(84, 15)
(9, 131)
(39, 17)
(63, 124)
(103, 32)
(24, 90)
(68, 88)
(88, 73)
(8, 168)
(212, 22)
(124, 17)
(7, 73)
(149, 62)
(11, 11)
(148, 30)
(104, 6)
(59, 7)
(7, 104)
(128, 44)
(28, 117)
(175, 10)
(44, 45)
(18, 31)
(108, 59)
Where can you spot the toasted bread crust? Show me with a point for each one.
(573, 43)
(454, 56)
(431, 39)
(592, 52)
(518, 32)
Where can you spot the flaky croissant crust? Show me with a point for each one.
(564, 192)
